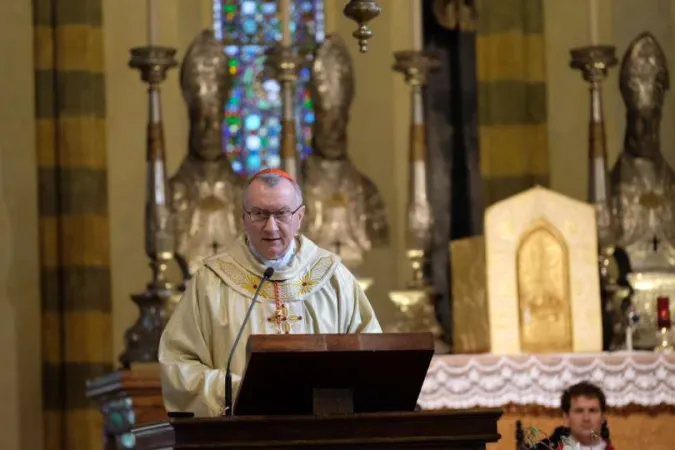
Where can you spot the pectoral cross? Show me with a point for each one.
(655, 243)
(283, 320)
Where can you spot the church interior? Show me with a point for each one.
(496, 172)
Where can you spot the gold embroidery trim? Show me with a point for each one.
(288, 290)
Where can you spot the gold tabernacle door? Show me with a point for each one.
(543, 289)
(542, 268)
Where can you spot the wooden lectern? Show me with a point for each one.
(330, 392)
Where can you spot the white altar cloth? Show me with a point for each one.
(486, 380)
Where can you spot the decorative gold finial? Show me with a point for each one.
(362, 12)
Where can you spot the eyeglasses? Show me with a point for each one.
(260, 215)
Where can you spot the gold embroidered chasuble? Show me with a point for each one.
(314, 294)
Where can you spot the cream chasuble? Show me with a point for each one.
(313, 294)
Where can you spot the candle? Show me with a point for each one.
(593, 21)
(629, 339)
(416, 26)
(663, 312)
(152, 23)
(285, 23)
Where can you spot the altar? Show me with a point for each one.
(640, 390)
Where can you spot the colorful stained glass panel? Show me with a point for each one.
(252, 125)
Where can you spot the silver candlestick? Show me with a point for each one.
(594, 63)
(283, 63)
(415, 304)
(156, 302)
(415, 66)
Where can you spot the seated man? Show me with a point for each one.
(310, 292)
(583, 407)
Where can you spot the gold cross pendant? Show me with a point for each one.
(283, 319)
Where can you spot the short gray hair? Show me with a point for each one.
(271, 180)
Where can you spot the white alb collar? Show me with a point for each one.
(274, 263)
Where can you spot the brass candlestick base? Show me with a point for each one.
(158, 300)
(415, 314)
(362, 12)
(141, 341)
(665, 343)
(416, 311)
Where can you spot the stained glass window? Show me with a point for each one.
(252, 128)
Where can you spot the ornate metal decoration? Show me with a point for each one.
(362, 12)
(642, 179)
(345, 210)
(643, 184)
(416, 314)
(205, 192)
(156, 303)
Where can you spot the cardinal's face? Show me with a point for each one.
(272, 217)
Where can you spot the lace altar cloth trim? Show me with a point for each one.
(470, 381)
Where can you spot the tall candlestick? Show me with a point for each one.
(416, 30)
(418, 298)
(160, 297)
(152, 23)
(593, 21)
(285, 23)
(629, 339)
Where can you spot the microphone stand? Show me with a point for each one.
(228, 372)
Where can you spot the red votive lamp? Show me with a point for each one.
(663, 312)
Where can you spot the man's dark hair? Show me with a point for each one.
(583, 389)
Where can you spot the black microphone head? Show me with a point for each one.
(269, 272)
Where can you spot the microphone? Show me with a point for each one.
(228, 373)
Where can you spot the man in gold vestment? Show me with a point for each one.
(310, 292)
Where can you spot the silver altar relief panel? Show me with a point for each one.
(346, 213)
(206, 192)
